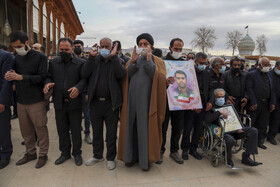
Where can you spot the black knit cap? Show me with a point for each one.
(146, 36)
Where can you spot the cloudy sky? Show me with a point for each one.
(124, 20)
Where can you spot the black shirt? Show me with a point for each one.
(235, 90)
(276, 84)
(33, 68)
(199, 76)
(217, 80)
(266, 86)
(65, 82)
(102, 87)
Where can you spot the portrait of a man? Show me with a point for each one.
(185, 94)
(182, 92)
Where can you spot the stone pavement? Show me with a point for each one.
(191, 173)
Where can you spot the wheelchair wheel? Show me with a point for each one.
(206, 141)
(215, 161)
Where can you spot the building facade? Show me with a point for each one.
(45, 21)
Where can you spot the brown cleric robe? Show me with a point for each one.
(156, 112)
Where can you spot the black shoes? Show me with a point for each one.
(129, 165)
(272, 141)
(14, 116)
(196, 155)
(78, 160)
(185, 155)
(4, 163)
(249, 162)
(161, 156)
(62, 159)
(260, 145)
(176, 157)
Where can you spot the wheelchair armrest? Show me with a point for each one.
(244, 115)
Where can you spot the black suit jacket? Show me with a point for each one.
(276, 81)
(228, 83)
(7, 61)
(207, 87)
(58, 72)
(254, 87)
(91, 73)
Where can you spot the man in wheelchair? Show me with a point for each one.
(250, 133)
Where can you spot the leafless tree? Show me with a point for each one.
(204, 38)
(232, 40)
(261, 44)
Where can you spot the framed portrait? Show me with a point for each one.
(183, 91)
(233, 122)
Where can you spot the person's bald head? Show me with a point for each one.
(36, 47)
(105, 43)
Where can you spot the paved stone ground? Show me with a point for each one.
(191, 173)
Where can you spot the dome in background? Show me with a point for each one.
(246, 46)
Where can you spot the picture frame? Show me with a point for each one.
(233, 122)
(183, 90)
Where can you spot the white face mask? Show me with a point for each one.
(142, 51)
(176, 55)
(21, 51)
(265, 69)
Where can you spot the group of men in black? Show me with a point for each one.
(93, 86)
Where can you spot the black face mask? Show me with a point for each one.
(235, 70)
(77, 50)
(65, 56)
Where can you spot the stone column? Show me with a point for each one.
(41, 3)
(54, 30)
(49, 9)
(30, 21)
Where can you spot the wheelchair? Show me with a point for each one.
(212, 141)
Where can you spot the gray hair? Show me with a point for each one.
(199, 55)
(216, 61)
(108, 39)
(219, 90)
(261, 60)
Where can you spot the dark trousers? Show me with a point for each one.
(86, 115)
(100, 112)
(193, 121)
(177, 118)
(251, 135)
(6, 147)
(274, 123)
(237, 105)
(260, 119)
(69, 119)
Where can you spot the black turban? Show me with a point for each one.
(145, 36)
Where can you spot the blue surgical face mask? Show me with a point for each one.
(201, 67)
(222, 70)
(277, 71)
(220, 101)
(105, 53)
